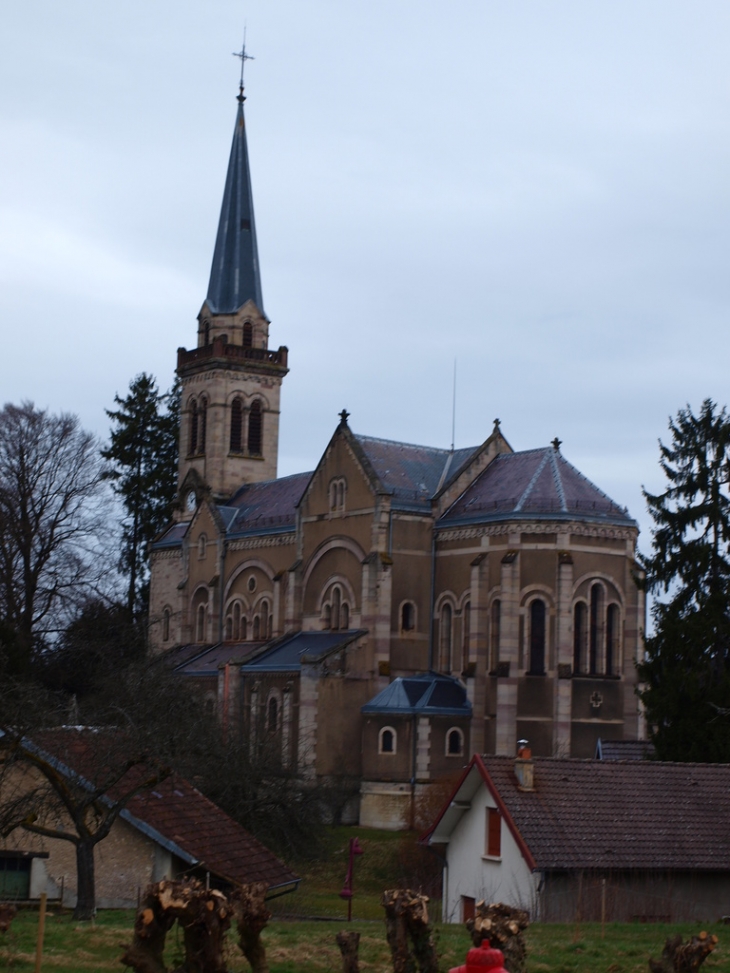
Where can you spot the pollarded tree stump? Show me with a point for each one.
(349, 943)
(406, 918)
(680, 957)
(151, 925)
(252, 916)
(502, 925)
(7, 914)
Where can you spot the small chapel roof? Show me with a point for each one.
(235, 276)
(412, 474)
(430, 693)
(265, 507)
(534, 483)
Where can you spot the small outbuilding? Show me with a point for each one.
(574, 839)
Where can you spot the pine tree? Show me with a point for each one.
(143, 452)
(686, 670)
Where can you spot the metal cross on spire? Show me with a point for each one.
(244, 57)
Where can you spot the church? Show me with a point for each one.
(382, 617)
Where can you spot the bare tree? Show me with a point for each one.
(51, 524)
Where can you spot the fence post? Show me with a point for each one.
(41, 931)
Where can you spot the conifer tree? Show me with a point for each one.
(686, 670)
(143, 453)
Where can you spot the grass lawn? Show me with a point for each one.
(309, 947)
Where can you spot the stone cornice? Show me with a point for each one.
(536, 527)
(250, 543)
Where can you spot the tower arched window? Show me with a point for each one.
(202, 425)
(166, 625)
(407, 616)
(494, 627)
(193, 428)
(445, 637)
(255, 429)
(612, 640)
(594, 646)
(580, 616)
(537, 637)
(236, 438)
(206, 333)
(248, 335)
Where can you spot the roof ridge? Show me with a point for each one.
(397, 442)
(531, 485)
(558, 480)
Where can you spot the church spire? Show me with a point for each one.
(235, 277)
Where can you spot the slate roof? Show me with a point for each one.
(209, 661)
(288, 653)
(412, 474)
(607, 814)
(624, 750)
(235, 276)
(214, 842)
(429, 693)
(172, 537)
(535, 483)
(265, 507)
(174, 813)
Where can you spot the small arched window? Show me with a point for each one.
(236, 443)
(193, 428)
(166, 625)
(594, 647)
(200, 624)
(248, 335)
(256, 628)
(466, 629)
(203, 425)
(202, 545)
(337, 493)
(407, 616)
(264, 610)
(327, 617)
(387, 740)
(244, 628)
(537, 638)
(494, 627)
(579, 637)
(445, 626)
(255, 429)
(612, 640)
(272, 715)
(237, 620)
(336, 602)
(454, 742)
(344, 616)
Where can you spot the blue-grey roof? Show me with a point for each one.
(537, 484)
(235, 276)
(287, 655)
(430, 693)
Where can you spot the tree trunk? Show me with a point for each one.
(349, 943)
(406, 917)
(252, 915)
(151, 925)
(679, 957)
(85, 881)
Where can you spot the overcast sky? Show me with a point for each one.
(539, 190)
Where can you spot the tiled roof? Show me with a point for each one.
(218, 844)
(608, 814)
(412, 474)
(265, 507)
(173, 813)
(535, 483)
(287, 654)
(429, 693)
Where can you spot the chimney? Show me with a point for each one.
(524, 767)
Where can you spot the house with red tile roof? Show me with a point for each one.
(164, 831)
(571, 839)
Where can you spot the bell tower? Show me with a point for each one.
(231, 382)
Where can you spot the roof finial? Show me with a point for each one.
(244, 57)
(344, 417)
(496, 425)
(556, 444)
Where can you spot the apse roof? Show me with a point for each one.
(288, 653)
(235, 276)
(412, 474)
(430, 693)
(535, 483)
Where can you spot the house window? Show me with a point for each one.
(248, 335)
(594, 661)
(579, 637)
(495, 621)
(407, 616)
(537, 638)
(612, 629)
(445, 634)
(255, 429)
(454, 742)
(166, 625)
(193, 429)
(200, 624)
(387, 740)
(14, 877)
(493, 836)
(236, 441)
